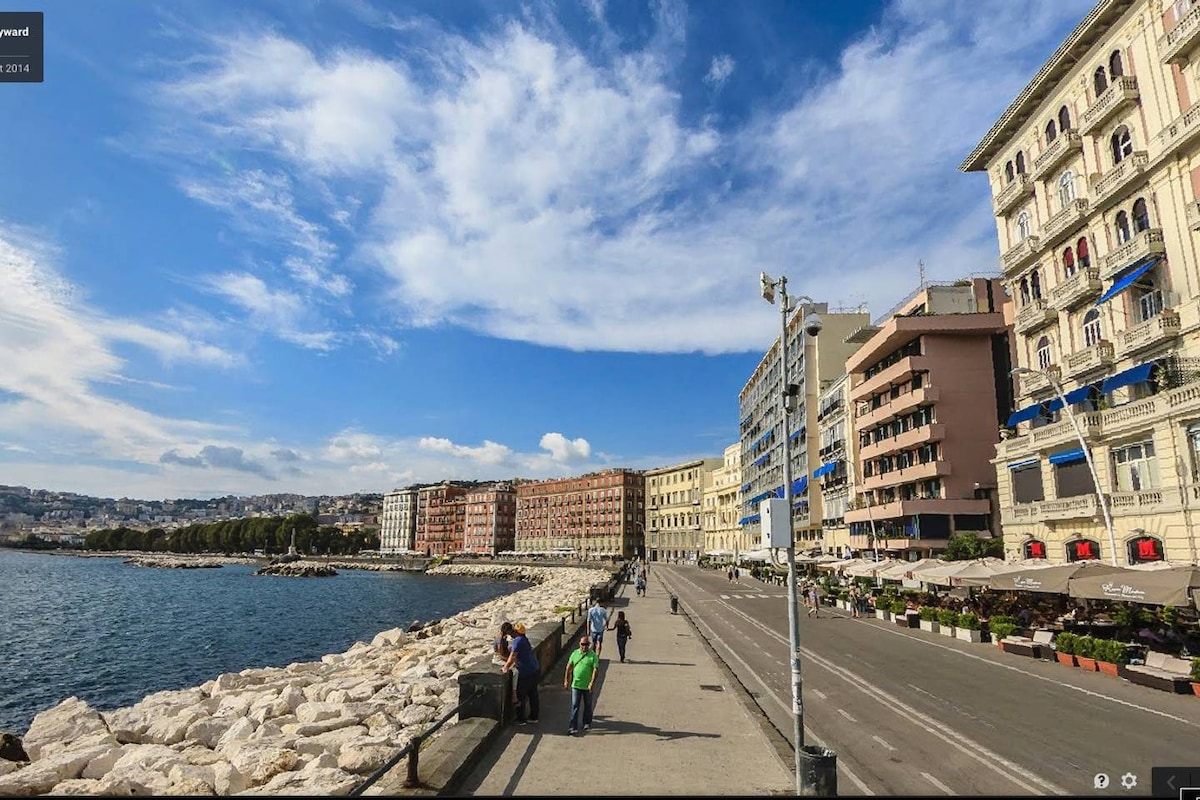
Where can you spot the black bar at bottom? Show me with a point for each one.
(1170, 781)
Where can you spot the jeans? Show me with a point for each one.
(577, 695)
(621, 640)
(527, 687)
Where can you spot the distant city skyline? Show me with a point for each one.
(352, 245)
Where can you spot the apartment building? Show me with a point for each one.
(929, 387)
(441, 519)
(674, 503)
(838, 446)
(722, 534)
(594, 515)
(813, 362)
(490, 524)
(398, 521)
(1094, 171)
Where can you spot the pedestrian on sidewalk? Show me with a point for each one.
(641, 584)
(598, 617)
(737, 575)
(529, 672)
(624, 633)
(502, 645)
(580, 676)
(814, 609)
(730, 573)
(855, 600)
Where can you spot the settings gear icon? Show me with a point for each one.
(1129, 780)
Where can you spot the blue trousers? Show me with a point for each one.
(578, 697)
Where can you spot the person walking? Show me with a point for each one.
(529, 672)
(730, 574)
(624, 633)
(855, 601)
(502, 647)
(598, 619)
(641, 584)
(582, 667)
(814, 608)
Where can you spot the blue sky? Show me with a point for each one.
(327, 246)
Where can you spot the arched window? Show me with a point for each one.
(1043, 352)
(1020, 162)
(1083, 254)
(1091, 328)
(1115, 69)
(1051, 132)
(1023, 226)
(1122, 144)
(1145, 549)
(1008, 172)
(1068, 263)
(1149, 296)
(1083, 550)
(1141, 216)
(1122, 227)
(1099, 81)
(1064, 119)
(1024, 291)
(1035, 548)
(1035, 285)
(1066, 188)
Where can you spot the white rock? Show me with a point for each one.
(75, 787)
(259, 762)
(416, 714)
(322, 761)
(210, 729)
(317, 711)
(7, 766)
(292, 696)
(328, 782)
(330, 742)
(227, 779)
(88, 740)
(239, 731)
(201, 755)
(64, 723)
(364, 759)
(29, 780)
(306, 729)
(199, 780)
(393, 638)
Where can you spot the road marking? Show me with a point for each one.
(989, 758)
(884, 742)
(842, 711)
(941, 786)
(819, 694)
(787, 708)
(724, 597)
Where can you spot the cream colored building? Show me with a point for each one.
(837, 445)
(1094, 170)
(721, 531)
(674, 504)
(398, 521)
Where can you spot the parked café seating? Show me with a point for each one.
(1036, 647)
(1161, 671)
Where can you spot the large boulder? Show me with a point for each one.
(64, 723)
(322, 782)
(260, 762)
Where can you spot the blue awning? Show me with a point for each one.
(824, 469)
(799, 485)
(745, 488)
(743, 520)
(1068, 456)
(779, 491)
(1078, 395)
(759, 461)
(1127, 281)
(1025, 462)
(1024, 415)
(1139, 374)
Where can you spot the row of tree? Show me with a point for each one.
(273, 535)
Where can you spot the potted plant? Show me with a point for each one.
(929, 619)
(900, 612)
(1196, 676)
(883, 608)
(1064, 648)
(1109, 654)
(947, 619)
(969, 628)
(1085, 653)
(1001, 628)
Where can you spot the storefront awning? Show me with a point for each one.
(1124, 283)
(1068, 456)
(1138, 374)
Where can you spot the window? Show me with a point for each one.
(1024, 227)
(1115, 70)
(1141, 215)
(1082, 253)
(1035, 284)
(1145, 549)
(1099, 81)
(1193, 434)
(1027, 484)
(1122, 144)
(1066, 188)
(1074, 479)
(1008, 172)
(1083, 550)
(1122, 227)
(1020, 162)
(1064, 119)
(1024, 291)
(1135, 467)
(1068, 263)
(1043, 352)
(1150, 300)
(1035, 549)
(1091, 328)
(1051, 132)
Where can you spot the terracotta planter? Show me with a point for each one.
(1065, 658)
(1107, 668)
(1088, 664)
(1196, 688)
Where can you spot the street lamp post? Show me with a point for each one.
(1087, 453)
(816, 770)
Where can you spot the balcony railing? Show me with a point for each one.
(1067, 144)
(1065, 221)
(1018, 191)
(1050, 435)
(1154, 331)
(1179, 132)
(1020, 254)
(1107, 186)
(1082, 507)
(1036, 313)
(1120, 93)
(1098, 356)
(1036, 382)
(1124, 503)
(1176, 44)
(1080, 287)
(1142, 245)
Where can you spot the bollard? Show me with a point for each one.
(819, 771)
(674, 604)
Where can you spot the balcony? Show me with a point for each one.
(1066, 145)
(1107, 187)
(1176, 44)
(1141, 246)
(1084, 285)
(1020, 190)
(1138, 503)
(1193, 212)
(1084, 506)
(1064, 222)
(1097, 357)
(1020, 254)
(1121, 93)
(1179, 132)
(1154, 331)
(896, 373)
(1032, 383)
(894, 407)
(905, 441)
(1036, 314)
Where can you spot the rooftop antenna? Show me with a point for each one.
(921, 272)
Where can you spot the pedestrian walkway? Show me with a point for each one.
(668, 721)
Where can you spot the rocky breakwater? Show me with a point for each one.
(167, 562)
(316, 728)
(298, 569)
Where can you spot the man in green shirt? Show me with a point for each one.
(581, 674)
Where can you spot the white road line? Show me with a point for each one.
(884, 742)
(842, 711)
(989, 758)
(819, 694)
(724, 597)
(941, 786)
(714, 640)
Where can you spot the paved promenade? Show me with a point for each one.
(661, 724)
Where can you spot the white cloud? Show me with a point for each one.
(487, 453)
(353, 446)
(720, 70)
(564, 449)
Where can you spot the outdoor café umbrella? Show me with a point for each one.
(868, 569)
(903, 569)
(1159, 587)
(1049, 579)
(976, 572)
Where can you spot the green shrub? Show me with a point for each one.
(1004, 620)
(968, 621)
(1001, 630)
(1085, 647)
(1196, 669)
(1066, 642)
(947, 617)
(1112, 651)
(899, 606)
(929, 613)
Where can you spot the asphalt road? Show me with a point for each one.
(912, 712)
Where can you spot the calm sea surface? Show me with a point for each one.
(111, 633)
